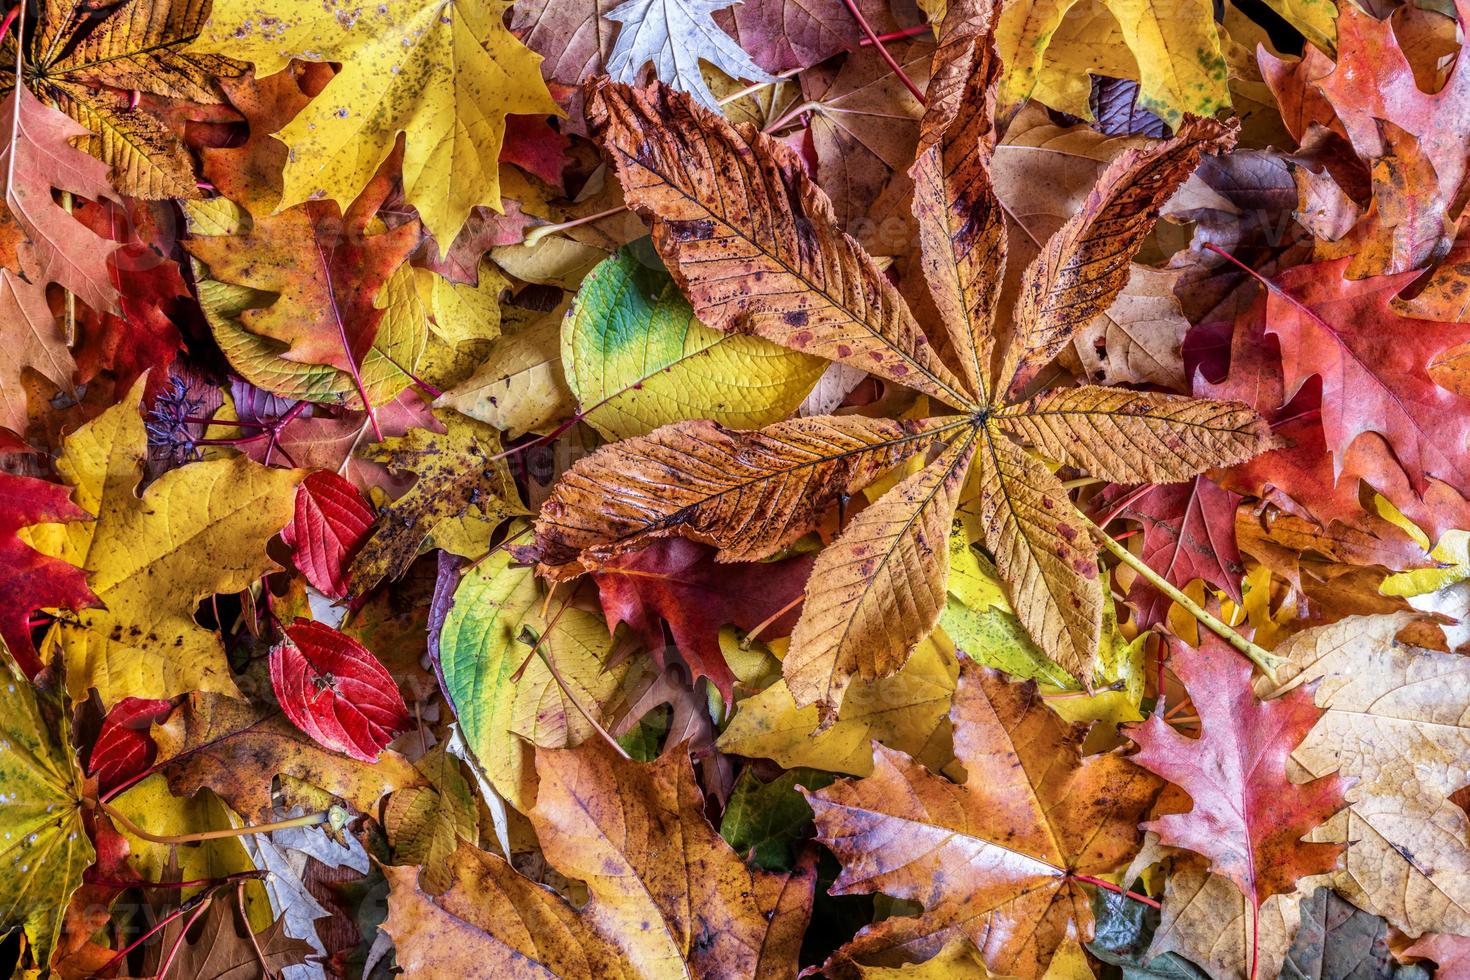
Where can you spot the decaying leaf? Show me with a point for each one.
(994, 859)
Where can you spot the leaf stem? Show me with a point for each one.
(541, 231)
(10, 18)
(877, 42)
(1119, 889)
(157, 927)
(308, 820)
(1264, 661)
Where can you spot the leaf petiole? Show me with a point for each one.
(1265, 661)
(334, 815)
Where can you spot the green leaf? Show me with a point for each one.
(764, 820)
(631, 339)
(44, 847)
(487, 634)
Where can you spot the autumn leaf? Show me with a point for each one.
(1000, 858)
(123, 748)
(336, 691)
(791, 470)
(444, 76)
(36, 156)
(30, 580)
(1188, 533)
(746, 268)
(1248, 817)
(675, 36)
(427, 823)
(516, 676)
(85, 63)
(39, 347)
(235, 749)
(708, 914)
(41, 810)
(149, 558)
(1390, 712)
(636, 357)
(326, 272)
(221, 952)
(462, 493)
(329, 524)
(677, 582)
(1082, 268)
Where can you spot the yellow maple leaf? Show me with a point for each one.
(444, 74)
(196, 531)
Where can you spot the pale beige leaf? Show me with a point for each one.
(753, 242)
(1205, 920)
(879, 588)
(1137, 341)
(1043, 552)
(747, 493)
(1137, 436)
(1396, 723)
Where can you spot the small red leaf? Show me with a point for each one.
(28, 579)
(678, 582)
(124, 747)
(334, 689)
(331, 522)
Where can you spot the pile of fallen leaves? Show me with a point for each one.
(682, 488)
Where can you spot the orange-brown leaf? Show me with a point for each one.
(748, 493)
(878, 589)
(962, 231)
(1138, 436)
(993, 859)
(1043, 552)
(1084, 265)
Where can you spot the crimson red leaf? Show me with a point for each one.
(678, 582)
(1374, 366)
(331, 522)
(1188, 533)
(334, 689)
(124, 747)
(1248, 817)
(28, 579)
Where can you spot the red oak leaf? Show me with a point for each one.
(1248, 817)
(144, 337)
(124, 747)
(28, 579)
(679, 582)
(1374, 368)
(330, 523)
(1305, 478)
(1188, 533)
(336, 691)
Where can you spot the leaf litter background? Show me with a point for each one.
(680, 488)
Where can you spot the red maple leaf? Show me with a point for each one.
(1248, 817)
(678, 582)
(28, 579)
(1188, 533)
